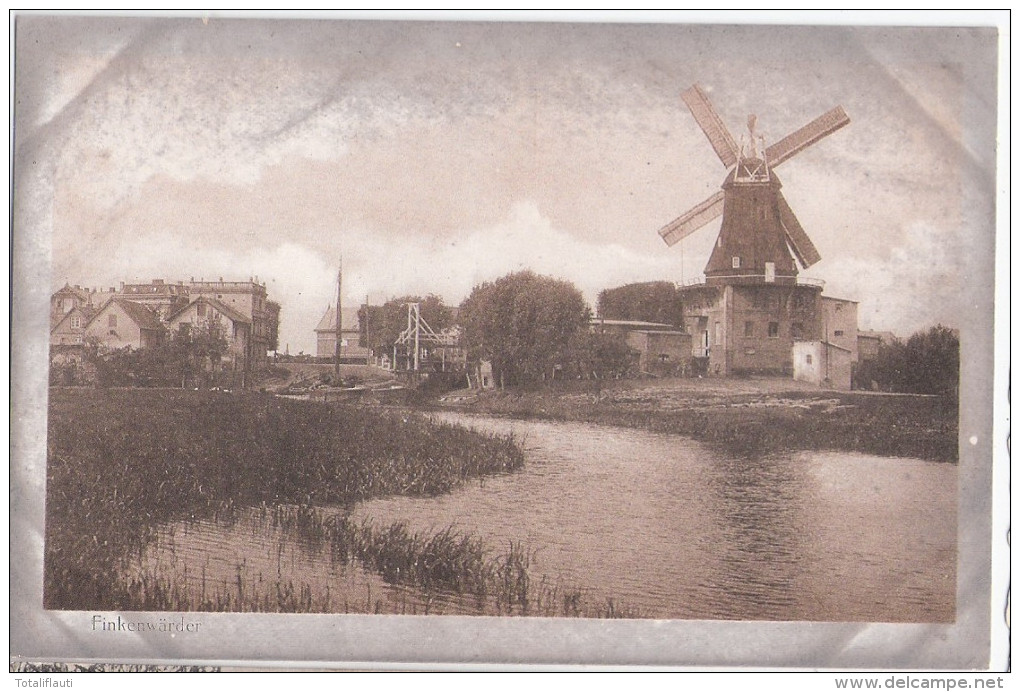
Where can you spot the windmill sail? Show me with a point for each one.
(797, 239)
(820, 127)
(680, 228)
(712, 125)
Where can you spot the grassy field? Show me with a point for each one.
(746, 417)
(121, 462)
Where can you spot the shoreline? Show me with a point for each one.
(744, 417)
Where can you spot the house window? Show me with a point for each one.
(770, 272)
(773, 330)
(807, 359)
(797, 330)
(111, 321)
(75, 322)
(736, 263)
(801, 302)
(718, 333)
(748, 328)
(838, 332)
(201, 309)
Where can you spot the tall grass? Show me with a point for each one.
(446, 568)
(121, 462)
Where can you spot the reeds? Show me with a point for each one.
(445, 570)
(121, 462)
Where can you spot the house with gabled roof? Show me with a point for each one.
(69, 297)
(205, 313)
(123, 324)
(350, 336)
(70, 328)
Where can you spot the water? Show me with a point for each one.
(250, 563)
(674, 529)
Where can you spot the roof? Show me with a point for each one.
(632, 324)
(224, 309)
(137, 313)
(220, 307)
(350, 320)
(667, 332)
(85, 314)
(884, 337)
(76, 290)
(158, 287)
(841, 348)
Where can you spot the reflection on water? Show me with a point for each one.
(250, 563)
(665, 525)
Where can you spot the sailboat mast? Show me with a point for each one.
(339, 318)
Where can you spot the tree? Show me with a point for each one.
(926, 363)
(380, 325)
(273, 325)
(601, 356)
(524, 324)
(654, 301)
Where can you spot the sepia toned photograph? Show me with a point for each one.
(503, 342)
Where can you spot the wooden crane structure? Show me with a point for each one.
(417, 341)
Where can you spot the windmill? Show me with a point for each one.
(760, 235)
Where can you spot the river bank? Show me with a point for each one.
(123, 462)
(750, 417)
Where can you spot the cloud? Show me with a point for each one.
(438, 156)
(920, 282)
(303, 279)
(526, 239)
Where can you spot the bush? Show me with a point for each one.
(926, 363)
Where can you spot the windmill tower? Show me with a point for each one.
(751, 307)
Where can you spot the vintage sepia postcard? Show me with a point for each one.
(500, 343)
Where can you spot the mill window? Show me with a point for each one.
(111, 321)
(736, 263)
(807, 359)
(200, 308)
(75, 322)
(773, 330)
(797, 330)
(838, 332)
(748, 328)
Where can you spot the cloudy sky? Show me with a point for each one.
(434, 156)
